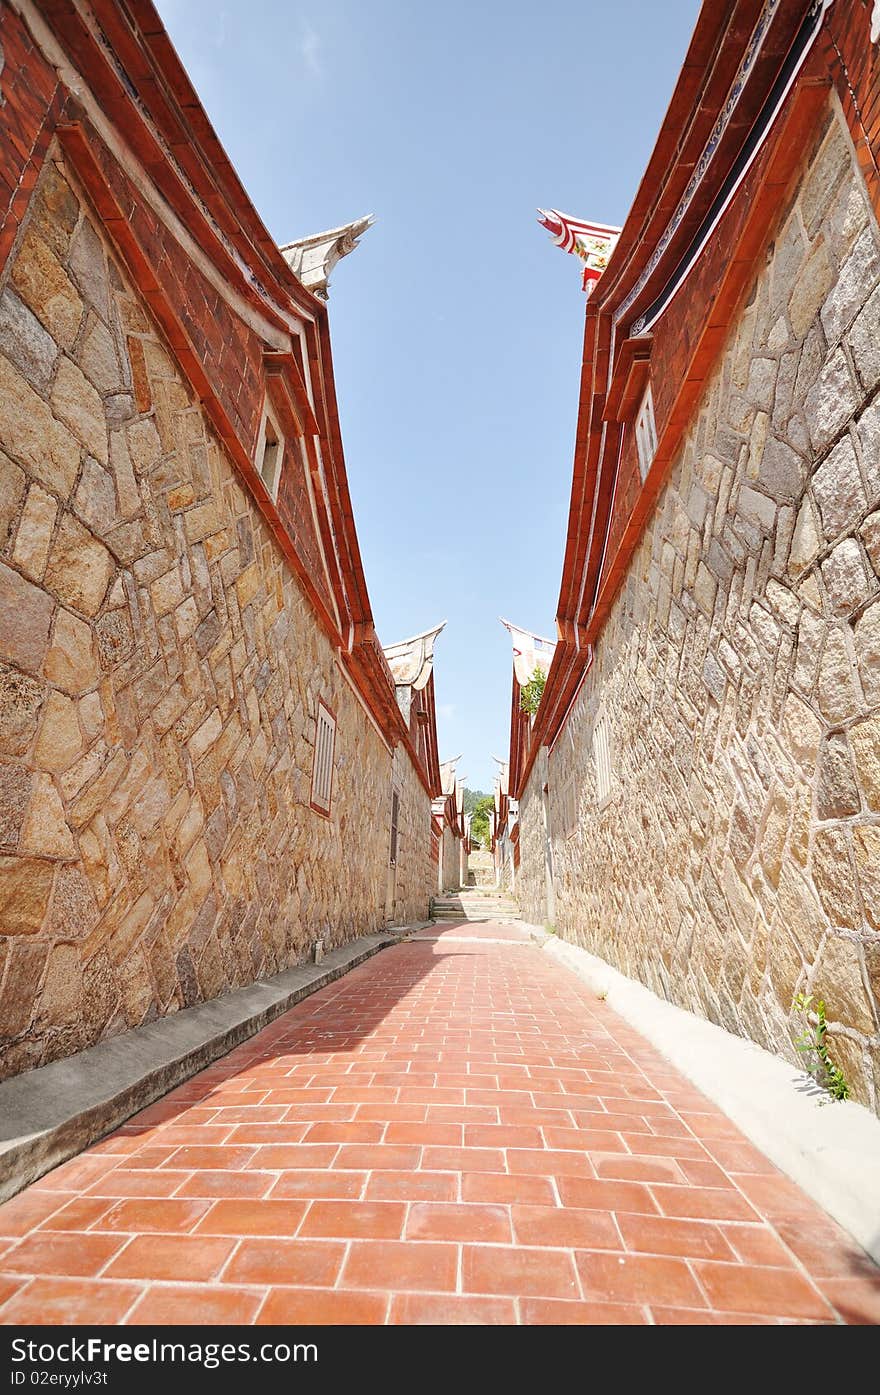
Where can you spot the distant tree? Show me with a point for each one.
(480, 821)
(472, 799)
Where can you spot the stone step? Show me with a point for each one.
(482, 906)
(474, 910)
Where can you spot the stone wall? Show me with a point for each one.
(159, 681)
(416, 874)
(531, 875)
(480, 869)
(737, 861)
(449, 861)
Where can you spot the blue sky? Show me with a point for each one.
(457, 326)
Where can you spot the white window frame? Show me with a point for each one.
(323, 760)
(646, 434)
(270, 433)
(602, 759)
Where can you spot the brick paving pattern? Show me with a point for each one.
(459, 1131)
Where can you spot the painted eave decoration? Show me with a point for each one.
(593, 243)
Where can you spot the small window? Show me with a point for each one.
(395, 819)
(646, 434)
(322, 771)
(602, 757)
(270, 451)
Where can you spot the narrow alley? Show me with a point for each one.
(458, 1131)
(363, 966)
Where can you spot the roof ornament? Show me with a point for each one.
(875, 22)
(411, 660)
(530, 651)
(311, 259)
(448, 777)
(593, 243)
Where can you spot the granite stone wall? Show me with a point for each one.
(159, 676)
(531, 876)
(737, 860)
(450, 868)
(416, 872)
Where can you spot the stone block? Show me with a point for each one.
(866, 850)
(833, 877)
(45, 832)
(86, 806)
(70, 662)
(865, 741)
(811, 633)
(803, 732)
(25, 619)
(55, 211)
(74, 912)
(115, 638)
(845, 578)
(21, 698)
(25, 888)
(144, 446)
(16, 783)
(866, 637)
(80, 568)
(95, 498)
(44, 285)
(806, 541)
(863, 342)
(839, 698)
(167, 592)
(780, 472)
(756, 508)
(25, 342)
(77, 404)
(202, 521)
(837, 796)
(868, 448)
(32, 435)
(127, 492)
(206, 734)
(838, 489)
(705, 587)
(837, 979)
(810, 289)
(34, 535)
(98, 359)
(88, 265)
(831, 402)
(13, 483)
(857, 278)
(61, 996)
(60, 740)
(828, 170)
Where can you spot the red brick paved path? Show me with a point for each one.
(458, 1131)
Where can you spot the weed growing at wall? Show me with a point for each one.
(813, 1047)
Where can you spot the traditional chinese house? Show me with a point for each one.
(699, 791)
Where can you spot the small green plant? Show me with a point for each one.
(532, 692)
(812, 1044)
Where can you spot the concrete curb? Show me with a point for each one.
(831, 1150)
(49, 1114)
